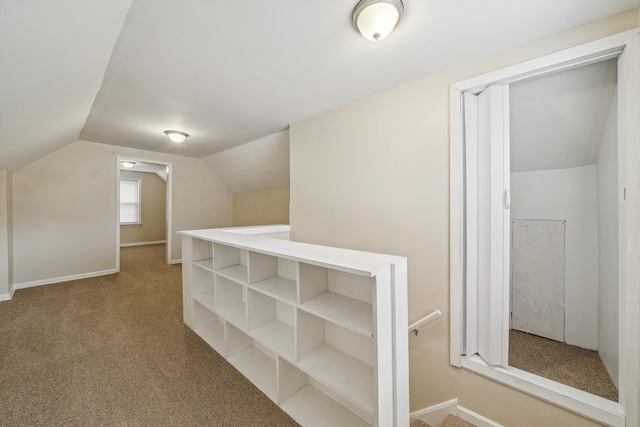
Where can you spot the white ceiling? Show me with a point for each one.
(557, 121)
(256, 166)
(53, 56)
(229, 72)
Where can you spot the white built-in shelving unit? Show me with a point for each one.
(321, 331)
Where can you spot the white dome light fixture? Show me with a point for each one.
(176, 136)
(128, 164)
(375, 19)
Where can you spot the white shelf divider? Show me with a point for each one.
(207, 264)
(237, 273)
(207, 299)
(348, 312)
(279, 288)
(277, 336)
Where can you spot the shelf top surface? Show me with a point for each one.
(257, 239)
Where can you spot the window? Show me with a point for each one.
(130, 195)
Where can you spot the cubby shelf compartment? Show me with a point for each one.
(208, 326)
(230, 262)
(201, 250)
(351, 313)
(312, 408)
(321, 331)
(207, 300)
(338, 358)
(254, 361)
(271, 323)
(231, 301)
(202, 282)
(308, 405)
(279, 288)
(339, 297)
(273, 276)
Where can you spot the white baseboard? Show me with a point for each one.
(63, 279)
(9, 296)
(475, 418)
(176, 261)
(436, 414)
(155, 242)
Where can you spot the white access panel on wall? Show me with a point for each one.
(538, 278)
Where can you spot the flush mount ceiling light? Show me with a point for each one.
(128, 164)
(375, 19)
(176, 136)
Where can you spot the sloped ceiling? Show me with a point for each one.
(256, 166)
(53, 56)
(557, 121)
(229, 72)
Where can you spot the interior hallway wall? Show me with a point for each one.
(6, 233)
(65, 204)
(374, 175)
(261, 207)
(608, 244)
(571, 195)
(153, 225)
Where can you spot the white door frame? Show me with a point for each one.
(169, 204)
(588, 405)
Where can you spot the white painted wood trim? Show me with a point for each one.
(169, 213)
(629, 217)
(598, 50)
(117, 206)
(155, 242)
(475, 418)
(448, 406)
(455, 227)
(578, 401)
(9, 296)
(168, 203)
(176, 261)
(435, 415)
(350, 261)
(63, 279)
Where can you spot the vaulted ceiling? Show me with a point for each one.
(229, 72)
(558, 121)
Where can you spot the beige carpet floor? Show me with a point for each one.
(113, 351)
(564, 363)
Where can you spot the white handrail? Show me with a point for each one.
(416, 326)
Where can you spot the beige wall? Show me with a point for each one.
(64, 208)
(261, 207)
(154, 210)
(6, 232)
(374, 175)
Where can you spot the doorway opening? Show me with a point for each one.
(143, 204)
(486, 271)
(564, 227)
